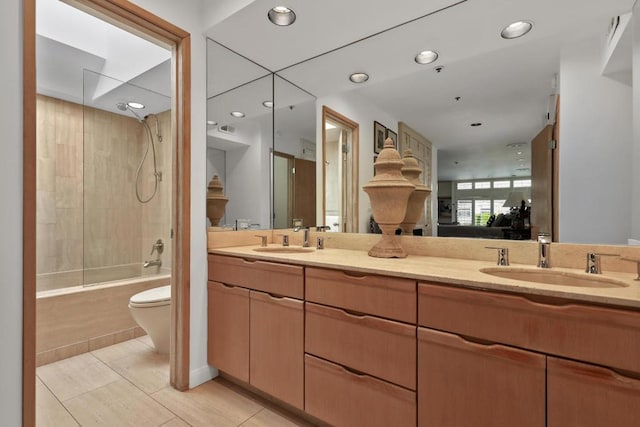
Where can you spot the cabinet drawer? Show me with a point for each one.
(228, 329)
(581, 395)
(390, 297)
(343, 398)
(594, 334)
(277, 363)
(274, 278)
(463, 383)
(371, 345)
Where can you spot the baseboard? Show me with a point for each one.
(201, 375)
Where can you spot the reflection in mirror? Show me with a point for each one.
(340, 171)
(567, 84)
(294, 163)
(239, 136)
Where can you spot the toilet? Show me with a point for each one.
(151, 309)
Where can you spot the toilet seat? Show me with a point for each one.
(152, 297)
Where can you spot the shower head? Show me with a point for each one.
(124, 107)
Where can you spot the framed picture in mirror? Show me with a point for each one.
(379, 133)
(391, 134)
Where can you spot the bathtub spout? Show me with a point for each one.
(155, 262)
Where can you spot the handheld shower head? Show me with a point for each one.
(124, 107)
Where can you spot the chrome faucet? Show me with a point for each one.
(593, 262)
(323, 227)
(155, 262)
(158, 246)
(544, 245)
(305, 235)
(503, 255)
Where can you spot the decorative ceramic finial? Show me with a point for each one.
(216, 200)
(411, 170)
(389, 192)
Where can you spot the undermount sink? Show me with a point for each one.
(284, 249)
(552, 277)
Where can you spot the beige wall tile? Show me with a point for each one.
(87, 158)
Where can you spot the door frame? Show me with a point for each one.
(329, 114)
(136, 20)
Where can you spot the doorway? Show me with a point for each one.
(134, 19)
(340, 137)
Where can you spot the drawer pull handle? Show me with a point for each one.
(354, 372)
(354, 275)
(354, 313)
(249, 261)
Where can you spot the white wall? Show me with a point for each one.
(187, 15)
(11, 214)
(363, 112)
(249, 179)
(635, 199)
(595, 130)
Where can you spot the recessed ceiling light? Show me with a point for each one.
(426, 57)
(519, 153)
(281, 16)
(268, 104)
(135, 105)
(237, 114)
(476, 124)
(211, 123)
(521, 159)
(359, 77)
(516, 29)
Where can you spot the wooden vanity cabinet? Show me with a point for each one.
(463, 383)
(276, 347)
(360, 348)
(344, 398)
(228, 329)
(256, 324)
(583, 395)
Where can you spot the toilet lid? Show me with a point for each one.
(155, 296)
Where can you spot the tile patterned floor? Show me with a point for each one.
(127, 384)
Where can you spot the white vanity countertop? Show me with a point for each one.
(450, 271)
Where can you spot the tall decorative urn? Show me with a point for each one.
(389, 193)
(216, 201)
(411, 170)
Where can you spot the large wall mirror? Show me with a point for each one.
(492, 109)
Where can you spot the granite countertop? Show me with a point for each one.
(452, 271)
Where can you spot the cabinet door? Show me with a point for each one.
(228, 329)
(581, 395)
(277, 353)
(463, 383)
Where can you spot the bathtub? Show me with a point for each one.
(72, 319)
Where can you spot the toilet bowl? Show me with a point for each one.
(151, 309)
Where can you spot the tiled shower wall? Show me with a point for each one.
(87, 213)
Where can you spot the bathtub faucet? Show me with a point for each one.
(155, 262)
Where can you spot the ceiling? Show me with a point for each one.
(110, 67)
(504, 84)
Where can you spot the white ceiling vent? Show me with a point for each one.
(226, 129)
